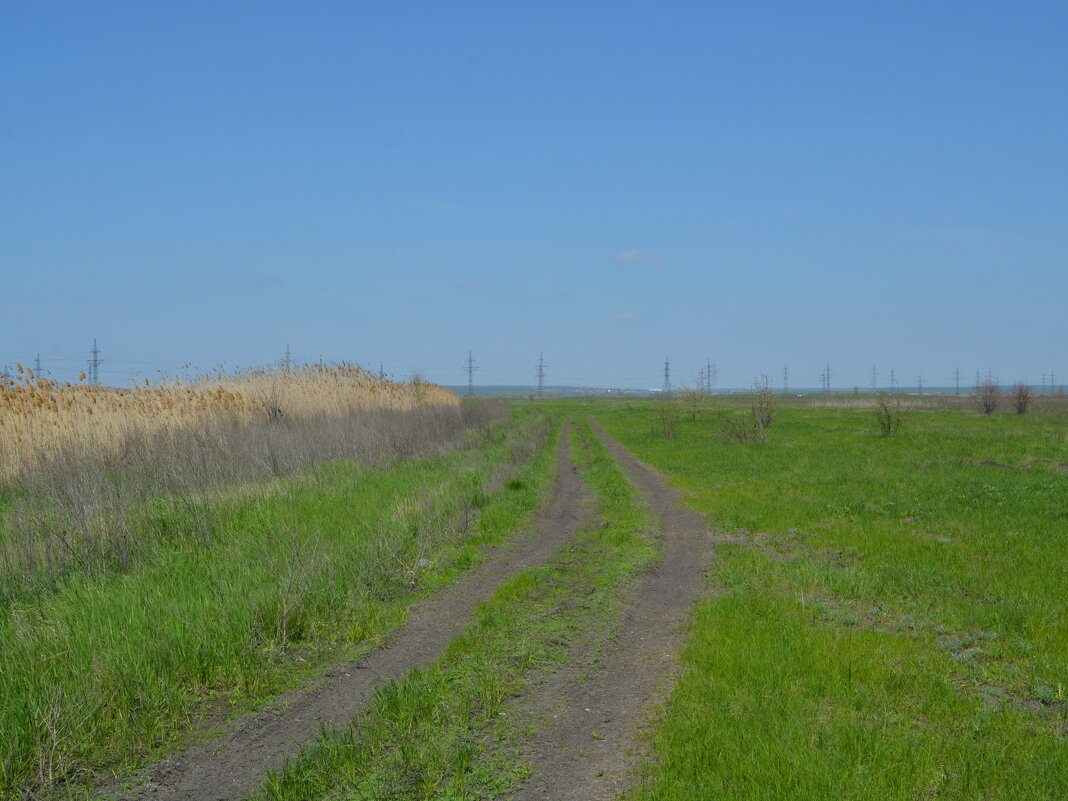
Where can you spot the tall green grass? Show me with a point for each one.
(887, 618)
(110, 667)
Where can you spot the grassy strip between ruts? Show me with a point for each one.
(107, 670)
(887, 617)
(444, 733)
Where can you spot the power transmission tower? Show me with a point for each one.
(715, 374)
(667, 376)
(827, 379)
(471, 366)
(893, 380)
(785, 379)
(710, 380)
(541, 375)
(288, 361)
(37, 367)
(919, 383)
(1051, 383)
(381, 372)
(956, 379)
(874, 379)
(978, 381)
(94, 364)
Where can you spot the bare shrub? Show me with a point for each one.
(763, 404)
(988, 397)
(1021, 398)
(736, 429)
(889, 413)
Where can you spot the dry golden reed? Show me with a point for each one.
(40, 417)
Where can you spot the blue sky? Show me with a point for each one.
(608, 184)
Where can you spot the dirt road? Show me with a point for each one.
(590, 746)
(231, 765)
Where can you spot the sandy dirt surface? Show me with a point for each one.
(232, 765)
(589, 743)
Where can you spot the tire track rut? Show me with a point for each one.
(590, 747)
(232, 765)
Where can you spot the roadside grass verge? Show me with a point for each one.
(886, 618)
(449, 732)
(110, 668)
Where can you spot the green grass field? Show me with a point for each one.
(114, 666)
(886, 618)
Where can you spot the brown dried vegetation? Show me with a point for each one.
(40, 417)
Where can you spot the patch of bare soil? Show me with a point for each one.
(590, 741)
(231, 765)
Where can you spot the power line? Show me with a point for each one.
(470, 366)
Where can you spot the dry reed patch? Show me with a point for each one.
(40, 417)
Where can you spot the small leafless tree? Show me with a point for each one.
(988, 397)
(889, 413)
(763, 403)
(1021, 398)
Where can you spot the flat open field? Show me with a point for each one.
(885, 618)
(581, 599)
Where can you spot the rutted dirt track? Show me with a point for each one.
(589, 748)
(231, 766)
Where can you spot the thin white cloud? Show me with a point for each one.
(637, 256)
(947, 235)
